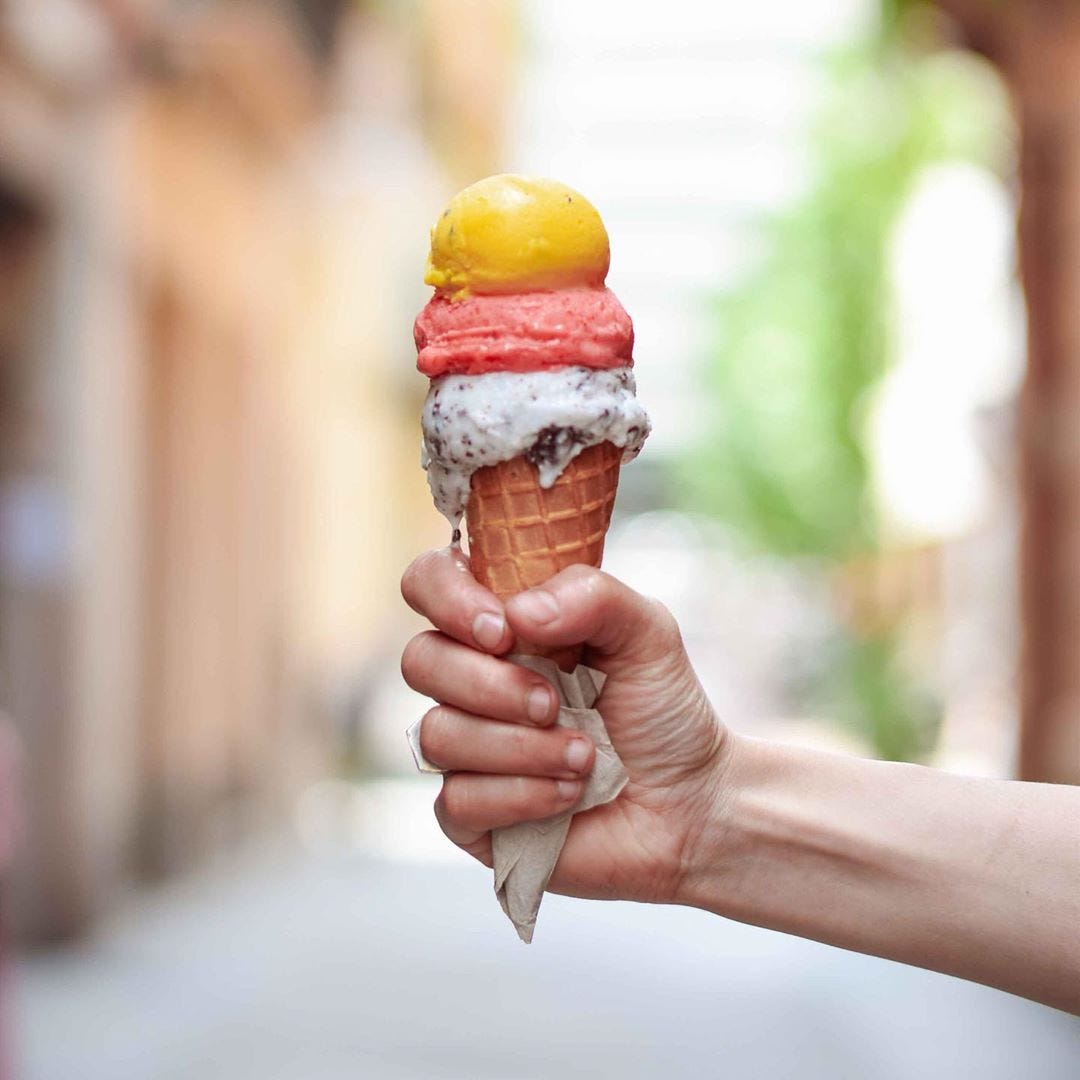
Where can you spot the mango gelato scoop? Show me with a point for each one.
(508, 234)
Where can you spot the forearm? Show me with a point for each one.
(976, 878)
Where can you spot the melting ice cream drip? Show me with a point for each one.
(472, 421)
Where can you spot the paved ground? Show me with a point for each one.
(292, 966)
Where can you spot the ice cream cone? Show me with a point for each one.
(530, 358)
(521, 534)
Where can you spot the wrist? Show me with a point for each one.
(781, 832)
(815, 844)
(894, 860)
(715, 844)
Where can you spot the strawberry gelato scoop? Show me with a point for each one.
(529, 331)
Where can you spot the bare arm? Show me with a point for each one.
(975, 878)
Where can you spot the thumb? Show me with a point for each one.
(585, 605)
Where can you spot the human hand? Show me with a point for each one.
(492, 727)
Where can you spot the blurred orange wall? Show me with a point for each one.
(208, 470)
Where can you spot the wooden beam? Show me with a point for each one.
(1036, 44)
(1044, 73)
(983, 24)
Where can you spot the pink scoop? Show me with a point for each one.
(523, 332)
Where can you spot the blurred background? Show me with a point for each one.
(849, 234)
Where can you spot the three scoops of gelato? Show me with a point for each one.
(532, 404)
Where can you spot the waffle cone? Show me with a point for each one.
(521, 534)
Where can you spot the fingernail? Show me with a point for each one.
(538, 704)
(568, 789)
(577, 753)
(537, 605)
(488, 629)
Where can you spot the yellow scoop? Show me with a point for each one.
(510, 233)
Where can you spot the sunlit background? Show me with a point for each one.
(860, 499)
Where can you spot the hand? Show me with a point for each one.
(491, 728)
(973, 877)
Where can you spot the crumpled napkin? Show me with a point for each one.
(525, 854)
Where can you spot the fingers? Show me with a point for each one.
(440, 587)
(456, 741)
(582, 604)
(454, 674)
(472, 804)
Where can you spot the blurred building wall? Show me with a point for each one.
(215, 292)
(213, 236)
(142, 622)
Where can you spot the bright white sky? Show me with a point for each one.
(682, 129)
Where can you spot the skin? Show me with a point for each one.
(975, 878)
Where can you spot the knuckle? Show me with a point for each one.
(455, 799)
(521, 743)
(529, 795)
(433, 740)
(588, 581)
(408, 584)
(442, 814)
(432, 577)
(664, 624)
(580, 573)
(490, 684)
(600, 581)
(413, 579)
(600, 590)
(416, 658)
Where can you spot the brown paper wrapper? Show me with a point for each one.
(525, 854)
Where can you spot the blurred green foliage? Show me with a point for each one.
(805, 337)
(807, 334)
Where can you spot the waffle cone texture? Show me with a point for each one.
(521, 534)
